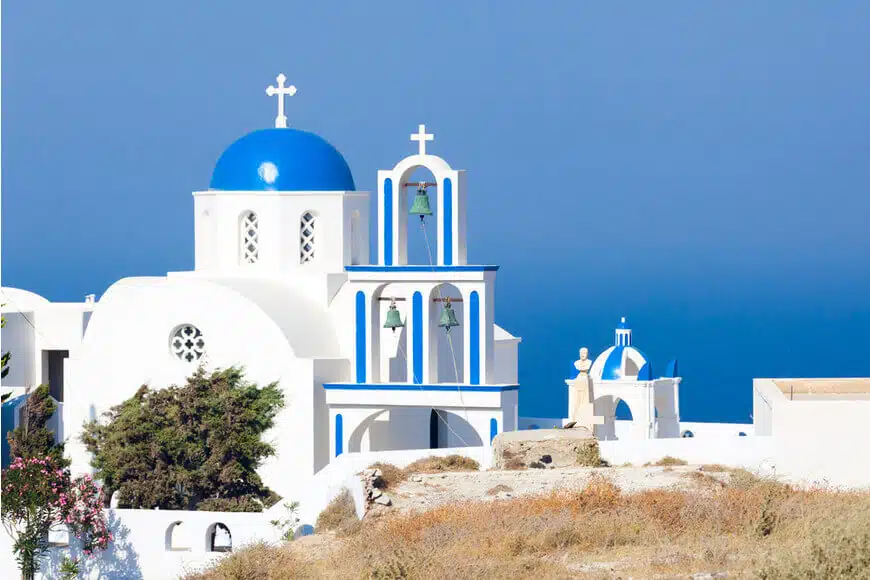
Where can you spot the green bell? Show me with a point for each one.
(448, 316)
(420, 206)
(394, 319)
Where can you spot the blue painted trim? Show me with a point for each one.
(339, 435)
(388, 221)
(447, 221)
(417, 349)
(493, 429)
(645, 372)
(410, 387)
(360, 337)
(474, 337)
(389, 268)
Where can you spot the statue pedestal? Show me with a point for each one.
(581, 408)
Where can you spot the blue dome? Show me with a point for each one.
(281, 160)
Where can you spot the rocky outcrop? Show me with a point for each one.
(373, 485)
(545, 449)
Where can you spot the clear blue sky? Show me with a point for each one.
(701, 168)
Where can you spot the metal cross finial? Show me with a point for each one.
(422, 136)
(281, 119)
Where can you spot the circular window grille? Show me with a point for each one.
(187, 343)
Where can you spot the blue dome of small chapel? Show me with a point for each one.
(281, 160)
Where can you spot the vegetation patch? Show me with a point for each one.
(442, 464)
(391, 476)
(500, 488)
(339, 516)
(195, 446)
(589, 454)
(667, 461)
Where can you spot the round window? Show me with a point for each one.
(187, 343)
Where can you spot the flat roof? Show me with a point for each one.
(848, 388)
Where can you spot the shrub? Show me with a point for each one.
(176, 447)
(32, 438)
(668, 461)
(339, 515)
(439, 464)
(589, 454)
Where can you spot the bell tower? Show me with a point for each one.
(394, 213)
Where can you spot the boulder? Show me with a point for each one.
(545, 449)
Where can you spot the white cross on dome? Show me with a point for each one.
(281, 91)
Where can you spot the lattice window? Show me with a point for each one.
(249, 236)
(306, 237)
(187, 343)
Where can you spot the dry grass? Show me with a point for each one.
(667, 461)
(749, 527)
(589, 455)
(498, 489)
(339, 516)
(714, 468)
(440, 464)
(391, 476)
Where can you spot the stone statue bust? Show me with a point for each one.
(583, 364)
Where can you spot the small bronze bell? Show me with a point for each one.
(420, 206)
(448, 316)
(394, 319)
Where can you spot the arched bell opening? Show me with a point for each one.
(388, 339)
(447, 334)
(419, 198)
(393, 311)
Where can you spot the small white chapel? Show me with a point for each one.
(373, 353)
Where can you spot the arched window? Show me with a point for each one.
(176, 539)
(306, 236)
(249, 238)
(218, 538)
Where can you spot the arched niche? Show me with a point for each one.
(218, 538)
(404, 428)
(176, 538)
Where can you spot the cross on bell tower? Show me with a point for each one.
(281, 92)
(421, 137)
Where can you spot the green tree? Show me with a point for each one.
(183, 447)
(32, 437)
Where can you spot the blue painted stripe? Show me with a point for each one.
(493, 429)
(395, 269)
(388, 221)
(360, 337)
(409, 387)
(417, 349)
(474, 337)
(613, 365)
(448, 222)
(339, 435)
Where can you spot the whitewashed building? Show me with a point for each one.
(285, 285)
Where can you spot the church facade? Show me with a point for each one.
(372, 352)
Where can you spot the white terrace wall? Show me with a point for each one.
(144, 547)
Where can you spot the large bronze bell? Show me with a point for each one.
(448, 316)
(420, 206)
(394, 319)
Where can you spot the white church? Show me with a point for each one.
(373, 353)
(379, 359)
